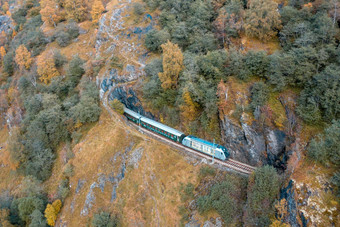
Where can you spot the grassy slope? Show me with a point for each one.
(148, 194)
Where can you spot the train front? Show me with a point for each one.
(225, 151)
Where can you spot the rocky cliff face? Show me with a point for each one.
(254, 138)
(249, 144)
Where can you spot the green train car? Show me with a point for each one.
(154, 126)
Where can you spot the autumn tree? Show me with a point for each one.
(172, 65)
(5, 7)
(97, 9)
(50, 12)
(229, 20)
(281, 208)
(46, 68)
(4, 218)
(23, 57)
(2, 52)
(14, 33)
(262, 19)
(52, 211)
(189, 108)
(76, 9)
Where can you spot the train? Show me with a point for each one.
(201, 145)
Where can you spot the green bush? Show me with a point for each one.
(257, 63)
(138, 8)
(187, 191)
(76, 136)
(336, 181)
(37, 219)
(27, 205)
(75, 70)
(207, 171)
(8, 63)
(263, 189)
(154, 67)
(104, 219)
(154, 39)
(68, 171)
(117, 106)
(64, 189)
(63, 39)
(212, 64)
(320, 98)
(19, 16)
(325, 149)
(86, 111)
(64, 34)
(59, 59)
(225, 197)
(72, 29)
(259, 95)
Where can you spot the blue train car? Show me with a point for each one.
(206, 147)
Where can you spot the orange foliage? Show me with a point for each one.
(172, 65)
(76, 9)
(23, 57)
(282, 212)
(97, 9)
(308, 5)
(190, 108)
(5, 7)
(2, 52)
(4, 217)
(50, 12)
(14, 32)
(46, 68)
(12, 94)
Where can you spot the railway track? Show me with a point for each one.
(230, 163)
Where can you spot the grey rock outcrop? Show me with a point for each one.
(251, 144)
(5, 24)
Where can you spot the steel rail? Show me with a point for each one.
(230, 163)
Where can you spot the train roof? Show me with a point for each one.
(154, 123)
(132, 113)
(163, 127)
(204, 141)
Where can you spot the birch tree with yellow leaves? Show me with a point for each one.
(23, 57)
(172, 65)
(97, 9)
(46, 68)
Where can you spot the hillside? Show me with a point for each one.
(260, 77)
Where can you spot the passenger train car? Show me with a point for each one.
(193, 142)
(154, 126)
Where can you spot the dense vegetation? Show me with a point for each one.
(325, 149)
(55, 99)
(198, 44)
(230, 196)
(308, 59)
(199, 47)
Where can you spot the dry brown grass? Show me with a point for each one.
(148, 194)
(9, 179)
(254, 44)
